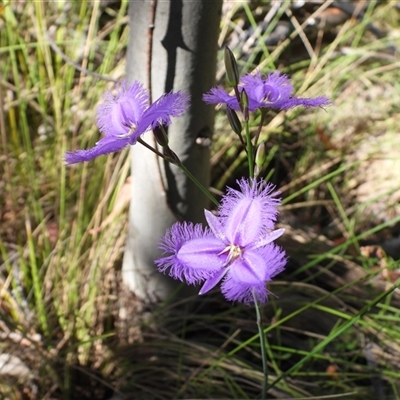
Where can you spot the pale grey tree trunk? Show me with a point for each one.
(183, 57)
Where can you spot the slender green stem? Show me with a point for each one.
(198, 184)
(249, 148)
(260, 125)
(155, 151)
(263, 348)
(178, 163)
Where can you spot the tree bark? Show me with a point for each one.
(182, 37)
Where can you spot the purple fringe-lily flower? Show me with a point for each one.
(274, 91)
(127, 115)
(236, 249)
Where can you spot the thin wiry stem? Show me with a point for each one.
(178, 163)
(263, 349)
(249, 149)
(142, 142)
(198, 184)
(262, 118)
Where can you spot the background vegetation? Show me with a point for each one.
(68, 328)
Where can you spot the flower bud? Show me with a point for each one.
(234, 121)
(244, 104)
(161, 136)
(232, 73)
(260, 158)
(171, 157)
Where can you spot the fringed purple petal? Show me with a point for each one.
(244, 225)
(267, 91)
(219, 96)
(192, 253)
(321, 101)
(202, 253)
(161, 111)
(120, 114)
(264, 264)
(210, 283)
(264, 200)
(243, 293)
(249, 269)
(275, 91)
(215, 225)
(104, 146)
(266, 239)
